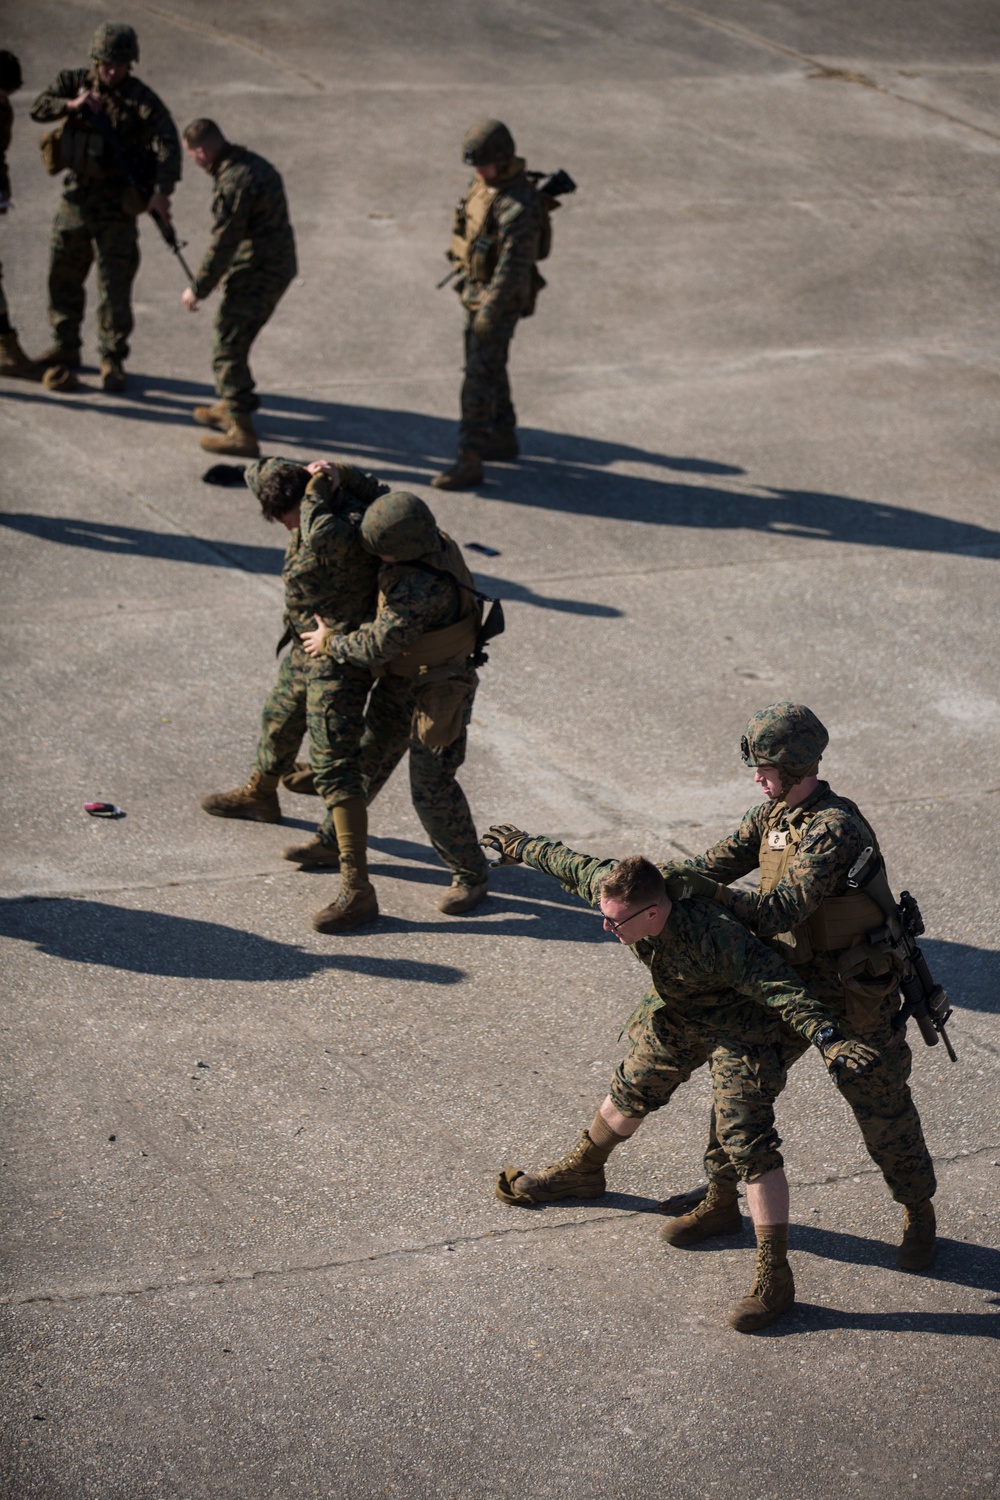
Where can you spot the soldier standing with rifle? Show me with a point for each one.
(495, 243)
(810, 846)
(100, 202)
(252, 251)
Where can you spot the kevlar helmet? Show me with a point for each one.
(399, 525)
(488, 142)
(115, 42)
(788, 736)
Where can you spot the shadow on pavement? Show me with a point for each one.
(564, 473)
(145, 942)
(968, 974)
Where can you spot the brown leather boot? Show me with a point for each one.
(216, 416)
(239, 439)
(300, 780)
(717, 1213)
(355, 905)
(773, 1290)
(919, 1236)
(465, 473)
(256, 801)
(112, 375)
(313, 855)
(462, 896)
(580, 1174)
(13, 360)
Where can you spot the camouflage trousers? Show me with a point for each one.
(486, 403)
(249, 297)
(331, 709)
(88, 226)
(4, 310)
(438, 800)
(747, 1077)
(881, 1101)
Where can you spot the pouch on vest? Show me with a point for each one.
(73, 147)
(442, 710)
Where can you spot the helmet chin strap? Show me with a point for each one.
(791, 775)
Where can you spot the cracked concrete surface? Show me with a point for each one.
(250, 1247)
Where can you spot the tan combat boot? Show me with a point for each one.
(239, 439)
(773, 1290)
(216, 416)
(356, 902)
(465, 473)
(300, 780)
(462, 896)
(13, 360)
(578, 1175)
(919, 1237)
(67, 355)
(717, 1213)
(313, 855)
(257, 801)
(112, 375)
(59, 378)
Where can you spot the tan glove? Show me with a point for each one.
(506, 841)
(845, 1060)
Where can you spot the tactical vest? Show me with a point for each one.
(440, 653)
(840, 923)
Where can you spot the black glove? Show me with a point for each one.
(845, 1060)
(683, 883)
(506, 841)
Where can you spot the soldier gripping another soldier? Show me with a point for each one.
(716, 995)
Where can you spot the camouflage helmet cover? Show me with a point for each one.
(487, 142)
(115, 42)
(399, 525)
(786, 735)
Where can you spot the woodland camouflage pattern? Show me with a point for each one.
(326, 572)
(253, 247)
(91, 221)
(411, 604)
(715, 997)
(833, 837)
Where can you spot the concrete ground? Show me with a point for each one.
(759, 408)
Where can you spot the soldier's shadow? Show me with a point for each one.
(563, 472)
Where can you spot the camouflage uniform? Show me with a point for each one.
(495, 240)
(829, 835)
(91, 219)
(253, 248)
(717, 995)
(327, 573)
(6, 130)
(412, 603)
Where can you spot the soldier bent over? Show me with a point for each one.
(717, 995)
(328, 575)
(804, 839)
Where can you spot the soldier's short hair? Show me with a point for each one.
(10, 73)
(282, 489)
(202, 133)
(634, 880)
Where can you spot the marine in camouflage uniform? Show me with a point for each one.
(252, 252)
(804, 840)
(418, 648)
(716, 995)
(327, 574)
(494, 245)
(13, 360)
(97, 214)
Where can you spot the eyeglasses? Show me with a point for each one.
(615, 926)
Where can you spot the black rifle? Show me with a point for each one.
(139, 181)
(924, 1000)
(555, 186)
